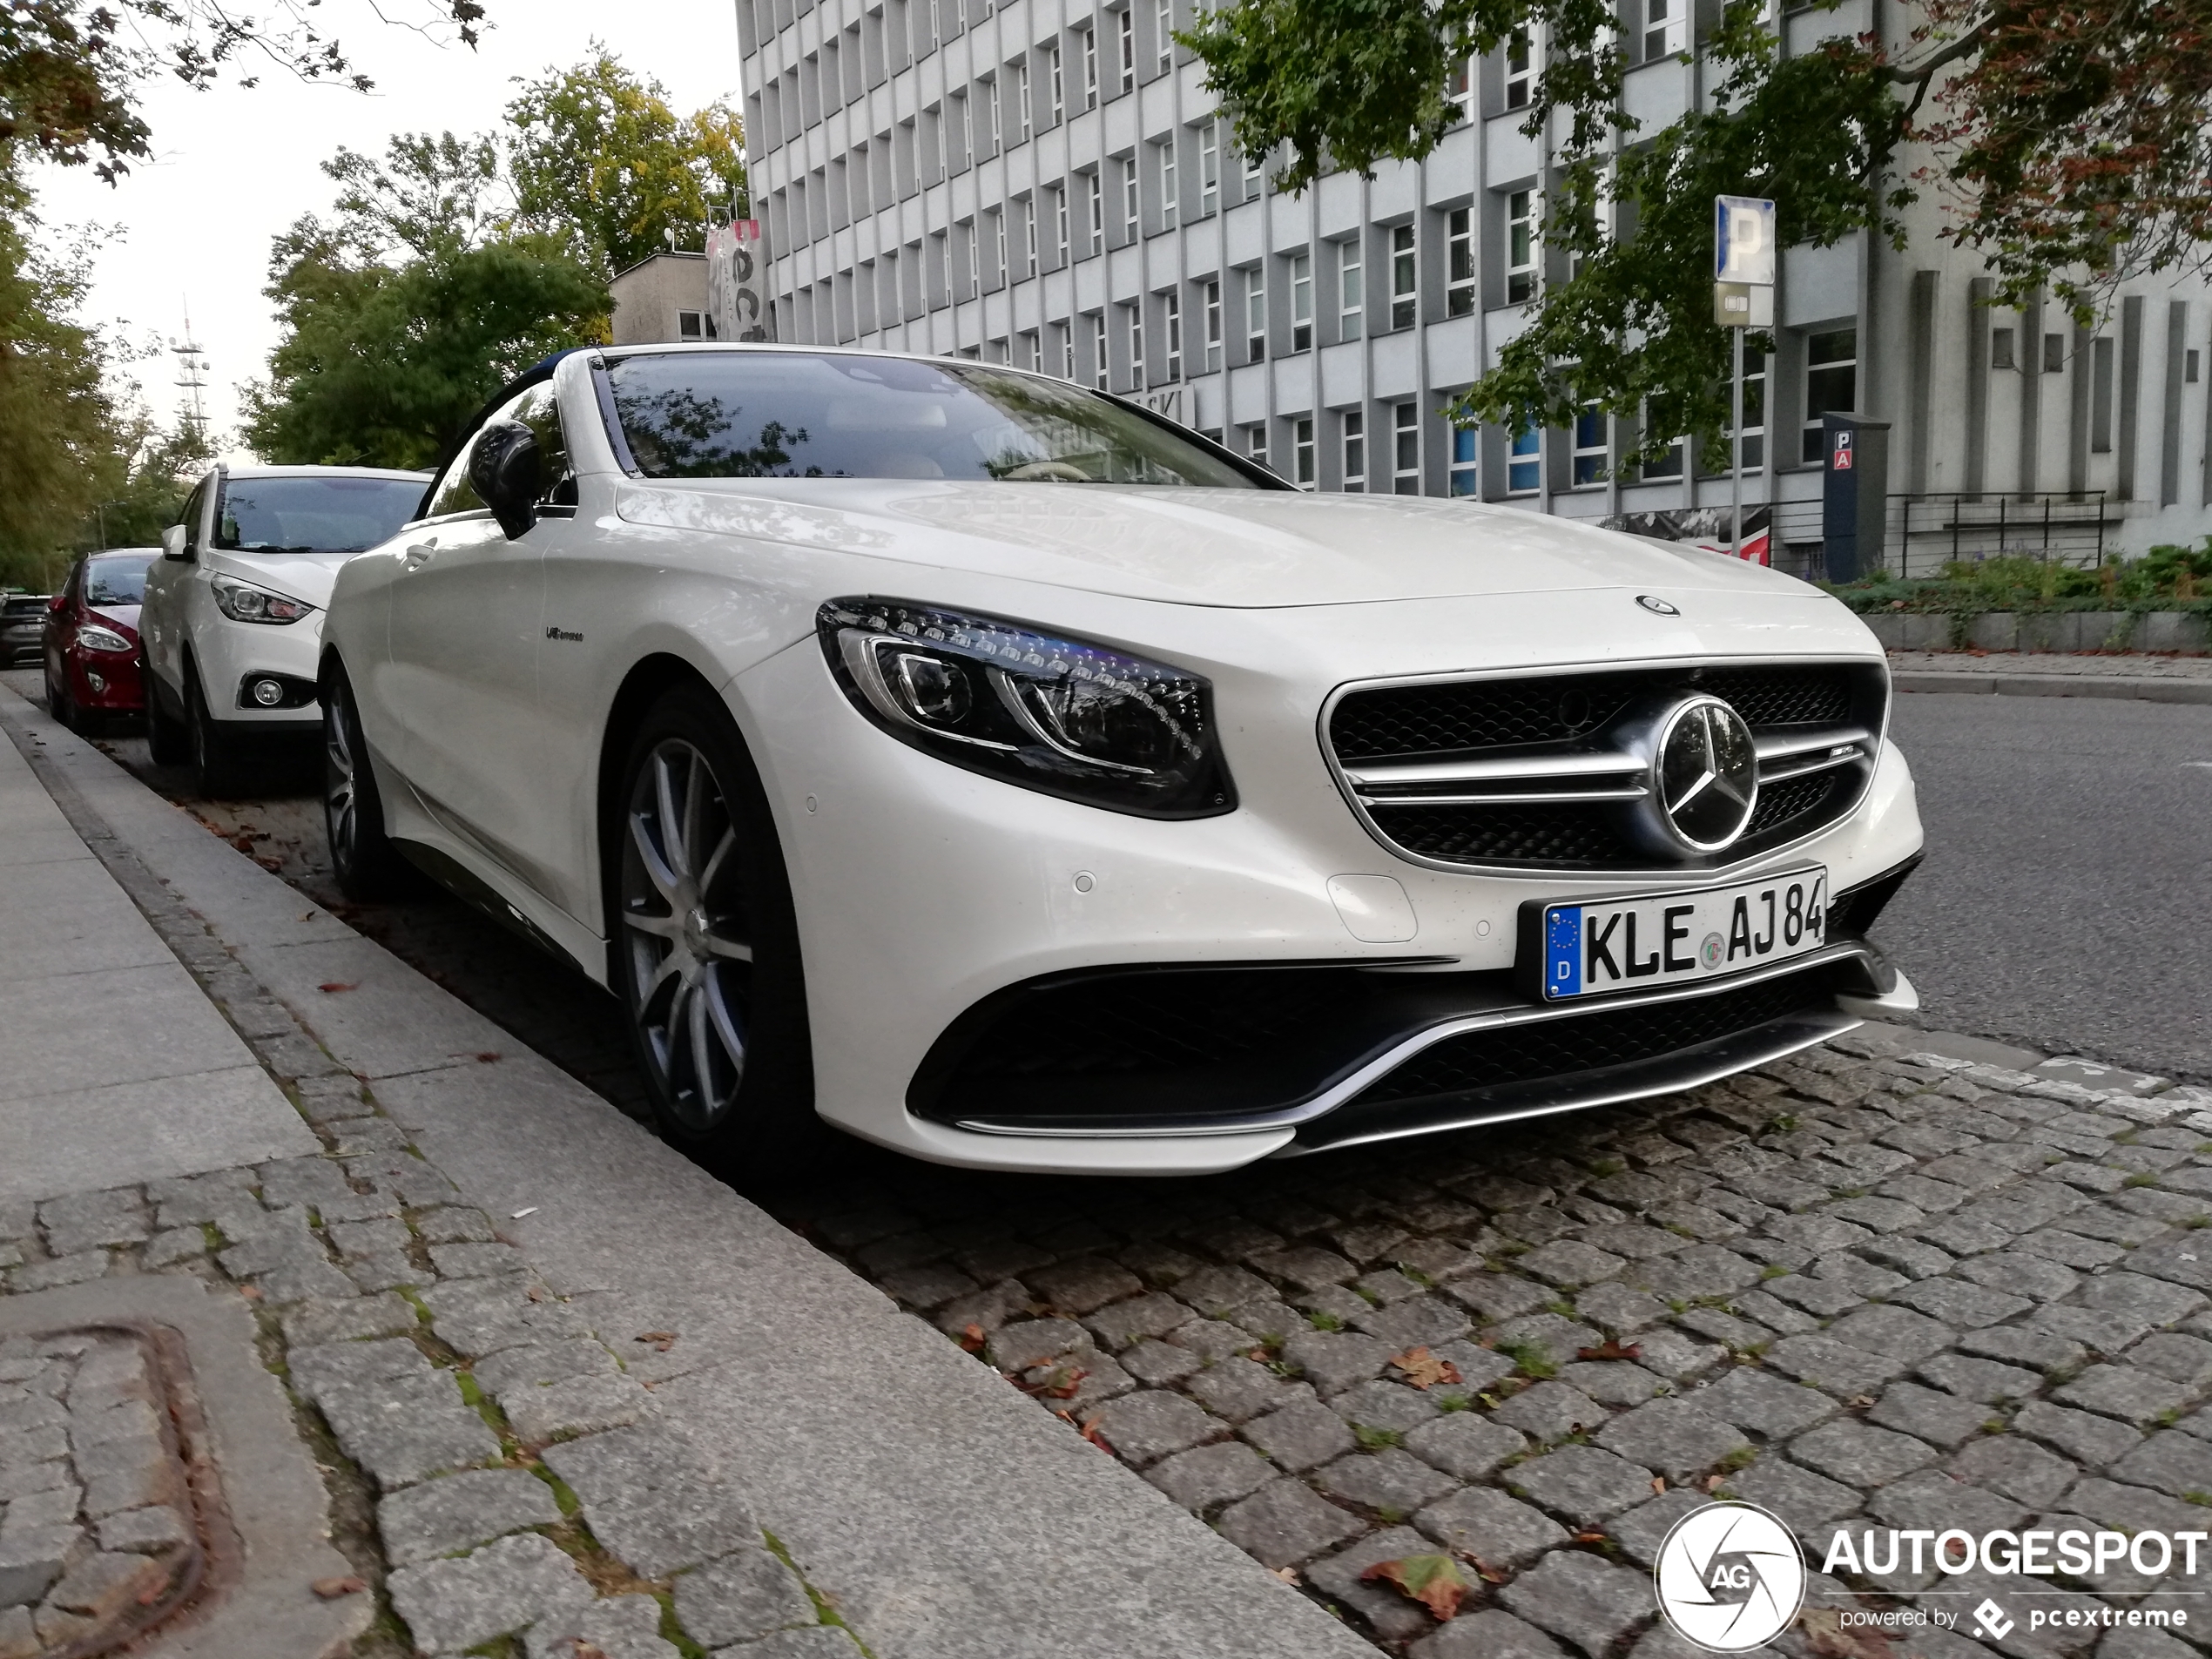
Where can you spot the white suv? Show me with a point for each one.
(233, 621)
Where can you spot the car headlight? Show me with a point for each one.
(243, 602)
(1062, 716)
(92, 636)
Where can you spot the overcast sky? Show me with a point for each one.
(233, 167)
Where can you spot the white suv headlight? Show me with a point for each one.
(243, 602)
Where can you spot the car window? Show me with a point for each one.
(540, 411)
(454, 494)
(313, 513)
(117, 581)
(803, 414)
(190, 518)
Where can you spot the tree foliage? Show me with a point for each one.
(597, 153)
(2068, 140)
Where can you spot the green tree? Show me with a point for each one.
(598, 154)
(2068, 138)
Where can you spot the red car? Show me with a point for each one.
(93, 653)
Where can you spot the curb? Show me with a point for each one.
(2141, 688)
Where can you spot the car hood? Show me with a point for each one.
(306, 577)
(1242, 548)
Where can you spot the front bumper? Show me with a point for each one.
(233, 655)
(927, 896)
(121, 688)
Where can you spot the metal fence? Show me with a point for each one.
(1921, 534)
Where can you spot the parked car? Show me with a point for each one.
(233, 617)
(22, 626)
(91, 650)
(1014, 779)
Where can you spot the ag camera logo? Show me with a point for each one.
(1729, 1577)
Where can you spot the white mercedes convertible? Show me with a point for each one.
(995, 770)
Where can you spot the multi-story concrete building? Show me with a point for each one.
(1045, 182)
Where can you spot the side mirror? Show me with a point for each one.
(173, 543)
(54, 605)
(503, 471)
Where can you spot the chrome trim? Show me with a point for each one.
(1351, 784)
(1517, 798)
(1824, 763)
(1599, 763)
(1398, 1052)
(1777, 748)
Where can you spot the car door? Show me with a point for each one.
(457, 683)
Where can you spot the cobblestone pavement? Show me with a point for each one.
(1856, 1288)
(511, 1489)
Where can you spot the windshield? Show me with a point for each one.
(796, 414)
(118, 580)
(312, 515)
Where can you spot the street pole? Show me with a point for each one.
(1735, 451)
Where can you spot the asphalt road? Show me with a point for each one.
(2065, 902)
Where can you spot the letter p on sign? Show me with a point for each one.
(1744, 240)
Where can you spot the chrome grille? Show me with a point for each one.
(1533, 772)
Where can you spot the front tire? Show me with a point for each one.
(362, 858)
(59, 704)
(216, 768)
(705, 946)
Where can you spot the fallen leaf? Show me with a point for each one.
(1658, 1483)
(1484, 1571)
(1061, 1382)
(152, 1593)
(1090, 1432)
(662, 1341)
(972, 1337)
(306, 915)
(251, 1292)
(1712, 1483)
(1423, 1370)
(536, 1293)
(1432, 1580)
(485, 1059)
(328, 986)
(583, 1649)
(330, 1589)
(274, 866)
(1862, 1400)
(1589, 1537)
(1611, 1348)
(1826, 1637)
(1288, 1574)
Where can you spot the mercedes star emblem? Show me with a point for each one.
(1705, 773)
(1654, 603)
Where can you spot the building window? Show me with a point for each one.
(1169, 199)
(1255, 171)
(1256, 443)
(1404, 278)
(1665, 29)
(1831, 382)
(694, 325)
(944, 249)
(1032, 350)
(1171, 319)
(1097, 189)
(1127, 23)
(1213, 324)
(1405, 448)
(1302, 469)
(1355, 451)
(1098, 348)
(1754, 414)
(2055, 354)
(1255, 314)
(974, 262)
(1351, 294)
(1590, 447)
(1521, 248)
(1458, 291)
(1525, 462)
(1060, 222)
(1135, 343)
(2000, 349)
(1164, 26)
(1519, 72)
(2188, 367)
(1068, 352)
(1090, 69)
(1209, 169)
(1129, 224)
(1301, 303)
(1460, 88)
(1056, 82)
(1030, 236)
(999, 270)
(1465, 442)
(1669, 463)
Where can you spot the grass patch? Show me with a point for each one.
(1530, 1358)
(2139, 1179)
(1373, 1439)
(1321, 1321)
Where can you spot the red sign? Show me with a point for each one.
(1843, 452)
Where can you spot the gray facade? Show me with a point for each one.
(1045, 183)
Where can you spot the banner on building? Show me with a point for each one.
(736, 280)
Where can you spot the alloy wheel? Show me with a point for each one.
(685, 934)
(341, 785)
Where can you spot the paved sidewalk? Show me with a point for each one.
(2157, 679)
(571, 1388)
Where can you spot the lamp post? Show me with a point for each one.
(1742, 299)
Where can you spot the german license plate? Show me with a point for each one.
(1646, 943)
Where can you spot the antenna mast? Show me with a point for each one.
(192, 370)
